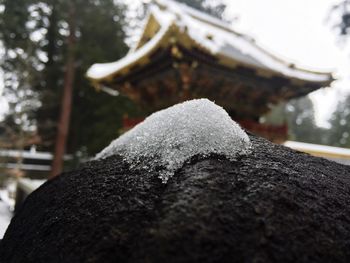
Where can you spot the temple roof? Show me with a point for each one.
(170, 22)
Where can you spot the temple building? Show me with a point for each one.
(183, 54)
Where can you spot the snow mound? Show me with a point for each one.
(168, 138)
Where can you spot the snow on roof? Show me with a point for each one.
(170, 137)
(180, 7)
(102, 70)
(213, 35)
(319, 150)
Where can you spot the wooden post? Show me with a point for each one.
(66, 106)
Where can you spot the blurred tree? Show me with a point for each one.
(300, 117)
(340, 121)
(340, 13)
(67, 95)
(34, 34)
(18, 71)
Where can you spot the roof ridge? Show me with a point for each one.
(197, 14)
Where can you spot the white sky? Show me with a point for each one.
(297, 31)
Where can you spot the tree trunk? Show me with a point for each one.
(66, 106)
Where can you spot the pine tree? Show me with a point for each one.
(300, 116)
(340, 120)
(34, 35)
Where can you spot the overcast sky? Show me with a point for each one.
(297, 31)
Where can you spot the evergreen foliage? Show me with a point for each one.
(300, 116)
(340, 122)
(34, 36)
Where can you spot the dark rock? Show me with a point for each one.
(275, 205)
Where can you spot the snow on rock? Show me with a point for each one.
(168, 138)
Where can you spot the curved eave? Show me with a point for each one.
(107, 71)
(306, 77)
(178, 7)
(311, 76)
(191, 22)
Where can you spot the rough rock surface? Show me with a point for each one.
(274, 205)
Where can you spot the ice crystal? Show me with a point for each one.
(165, 140)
